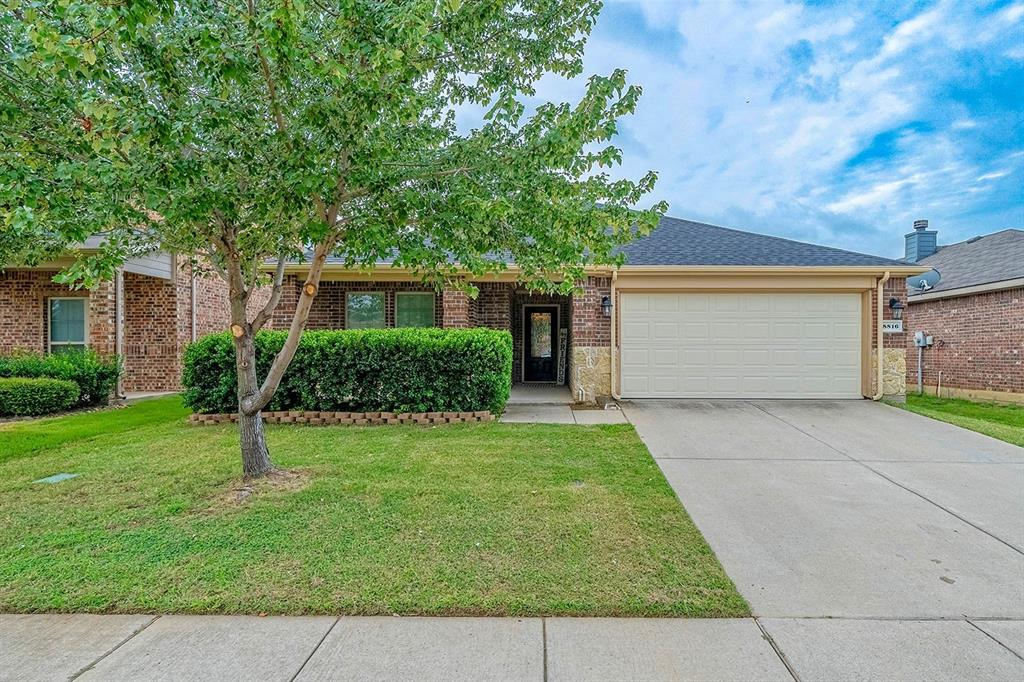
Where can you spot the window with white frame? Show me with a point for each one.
(414, 309)
(364, 310)
(68, 327)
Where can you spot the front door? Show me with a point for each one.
(540, 346)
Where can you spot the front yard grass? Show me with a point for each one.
(496, 519)
(1005, 422)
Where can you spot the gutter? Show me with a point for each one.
(614, 348)
(511, 269)
(878, 334)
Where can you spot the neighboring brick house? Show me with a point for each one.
(146, 315)
(975, 315)
(697, 311)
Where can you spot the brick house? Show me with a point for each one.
(697, 311)
(146, 315)
(974, 314)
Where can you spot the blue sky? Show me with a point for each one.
(833, 123)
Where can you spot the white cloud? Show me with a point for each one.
(754, 117)
(994, 175)
(1013, 13)
(752, 113)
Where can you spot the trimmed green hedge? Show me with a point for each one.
(29, 397)
(364, 370)
(96, 377)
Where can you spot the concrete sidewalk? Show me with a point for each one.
(90, 647)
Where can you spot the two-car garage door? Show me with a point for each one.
(740, 345)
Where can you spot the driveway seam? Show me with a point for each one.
(775, 647)
(544, 646)
(315, 649)
(115, 648)
(994, 639)
(895, 483)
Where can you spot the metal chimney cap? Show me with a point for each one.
(920, 224)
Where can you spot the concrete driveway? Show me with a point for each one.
(851, 510)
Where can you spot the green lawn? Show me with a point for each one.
(466, 519)
(1005, 422)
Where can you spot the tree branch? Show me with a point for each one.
(254, 403)
(275, 295)
(275, 107)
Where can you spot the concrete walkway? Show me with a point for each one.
(88, 647)
(560, 414)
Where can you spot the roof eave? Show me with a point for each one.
(971, 290)
(895, 270)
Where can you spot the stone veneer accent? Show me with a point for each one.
(590, 368)
(314, 418)
(591, 371)
(894, 372)
(894, 356)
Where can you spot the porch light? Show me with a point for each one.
(606, 306)
(897, 309)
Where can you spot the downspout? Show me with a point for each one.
(878, 336)
(614, 349)
(192, 297)
(119, 315)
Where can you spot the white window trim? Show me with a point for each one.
(433, 304)
(50, 343)
(383, 294)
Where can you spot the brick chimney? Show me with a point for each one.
(921, 243)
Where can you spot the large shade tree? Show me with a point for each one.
(242, 132)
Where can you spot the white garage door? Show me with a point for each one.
(740, 345)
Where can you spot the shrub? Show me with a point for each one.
(96, 377)
(21, 397)
(365, 370)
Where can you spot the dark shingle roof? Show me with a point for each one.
(684, 242)
(992, 258)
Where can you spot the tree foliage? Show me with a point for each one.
(238, 132)
(252, 130)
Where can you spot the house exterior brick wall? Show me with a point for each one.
(979, 345)
(590, 362)
(894, 355)
(153, 339)
(492, 307)
(455, 309)
(328, 310)
(23, 312)
(157, 319)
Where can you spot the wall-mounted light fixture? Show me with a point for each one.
(606, 306)
(897, 308)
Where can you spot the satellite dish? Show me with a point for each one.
(924, 281)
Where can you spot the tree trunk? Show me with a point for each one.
(255, 455)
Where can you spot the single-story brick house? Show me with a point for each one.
(974, 314)
(697, 311)
(146, 315)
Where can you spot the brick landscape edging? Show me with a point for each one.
(314, 418)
